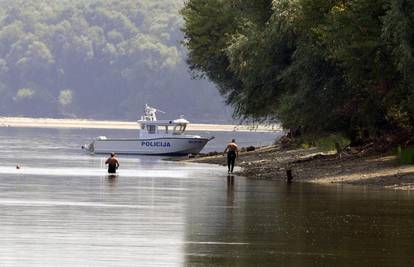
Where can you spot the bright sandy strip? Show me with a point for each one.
(79, 123)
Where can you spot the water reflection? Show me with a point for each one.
(302, 225)
(112, 180)
(230, 190)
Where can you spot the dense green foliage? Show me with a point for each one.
(405, 155)
(318, 66)
(97, 58)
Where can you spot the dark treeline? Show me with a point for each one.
(318, 66)
(98, 59)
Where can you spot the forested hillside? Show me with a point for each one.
(319, 66)
(98, 59)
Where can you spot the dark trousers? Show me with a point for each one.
(111, 168)
(231, 160)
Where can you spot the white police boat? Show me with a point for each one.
(155, 137)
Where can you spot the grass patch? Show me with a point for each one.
(327, 143)
(405, 155)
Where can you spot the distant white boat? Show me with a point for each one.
(155, 137)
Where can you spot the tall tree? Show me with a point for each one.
(315, 65)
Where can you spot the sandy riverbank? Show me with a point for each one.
(312, 165)
(94, 124)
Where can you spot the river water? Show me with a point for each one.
(60, 209)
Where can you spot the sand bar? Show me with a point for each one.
(126, 125)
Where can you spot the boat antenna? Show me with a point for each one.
(150, 113)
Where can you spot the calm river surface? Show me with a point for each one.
(60, 209)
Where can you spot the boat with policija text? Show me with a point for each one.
(155, 137)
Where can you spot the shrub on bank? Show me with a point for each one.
(406, 155)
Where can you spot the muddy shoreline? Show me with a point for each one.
(316, 166)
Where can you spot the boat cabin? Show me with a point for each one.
(153, 129)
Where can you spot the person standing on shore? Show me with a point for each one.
(232, 153)
(113, 164)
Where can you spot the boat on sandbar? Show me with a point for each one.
(155, 137)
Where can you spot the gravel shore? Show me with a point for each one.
(313, 165)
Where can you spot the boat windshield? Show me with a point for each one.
(179, 129)
(151, 129)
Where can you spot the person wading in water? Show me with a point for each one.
(232, 153)
(113, 163)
